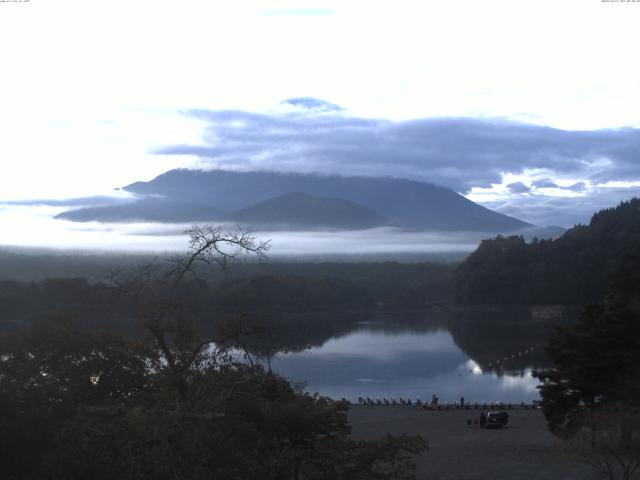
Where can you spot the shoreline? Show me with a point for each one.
(524, 449)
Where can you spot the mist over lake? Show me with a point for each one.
(23, 225)
(224, 225)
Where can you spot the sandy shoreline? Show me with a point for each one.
(524, 450)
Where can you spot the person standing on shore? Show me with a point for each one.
(461, 402)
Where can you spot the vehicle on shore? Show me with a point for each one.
(496, 419)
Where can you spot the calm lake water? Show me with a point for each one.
(382, 360)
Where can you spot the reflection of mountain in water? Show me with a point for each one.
(502, 340)
(402, 322)
(498, 340)
(295, 332)
(389, 359)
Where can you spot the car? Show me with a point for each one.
(496, 419)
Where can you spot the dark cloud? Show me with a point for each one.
(518, 187)
(313, 104)
(577, 187)
(544, 183)
(460, 153)
(563, 211)
(457, 152)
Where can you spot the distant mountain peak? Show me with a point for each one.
(301, 210)
(404, 203)
(407, 203)
(150, 209)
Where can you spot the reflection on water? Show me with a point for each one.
(390, 361)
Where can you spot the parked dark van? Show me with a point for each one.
(496, 419)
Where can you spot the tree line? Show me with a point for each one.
(579, 268)
(174, 402)
(591, 395)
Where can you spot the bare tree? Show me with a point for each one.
(213, 245)
(171, 322)
(609, 442)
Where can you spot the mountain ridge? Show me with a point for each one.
(300, 210)
(406, 203)
(145, 209)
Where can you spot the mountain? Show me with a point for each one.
(583, 266)
(405, 203)
(302, 211)
(146, 210)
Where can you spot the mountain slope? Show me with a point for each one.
(406, 203)
(302, 211)
(580, 267)
(148, 209)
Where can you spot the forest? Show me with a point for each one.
(171, 398)
(578, 268)
(162, 370)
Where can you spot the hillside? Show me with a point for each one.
(148, 209)
(405, 203)
(302, 211)
(583, 266)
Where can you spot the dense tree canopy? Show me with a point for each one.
(575, 269)
(591, 396)
(176, 402)
(595, 364)
(77, 406)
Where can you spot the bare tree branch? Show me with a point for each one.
(212, 244)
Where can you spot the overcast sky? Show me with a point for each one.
(529, 107)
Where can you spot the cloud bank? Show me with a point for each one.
(495, 161)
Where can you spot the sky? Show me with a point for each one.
(531, 108)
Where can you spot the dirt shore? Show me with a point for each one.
(522, 450)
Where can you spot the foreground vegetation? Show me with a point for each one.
(591, 396)
(77, 406)
(181, 385)
(591, 393)
(177, 402)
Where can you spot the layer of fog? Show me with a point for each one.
(34, 226)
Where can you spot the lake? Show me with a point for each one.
(388, 360)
